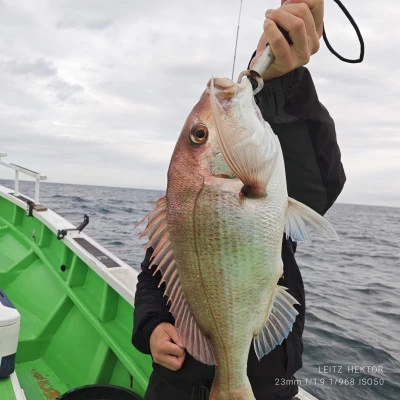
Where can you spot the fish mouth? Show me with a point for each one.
(222, 84)
(224, 90)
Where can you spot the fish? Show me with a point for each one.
(217, 235)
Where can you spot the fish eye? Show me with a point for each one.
(198, 134)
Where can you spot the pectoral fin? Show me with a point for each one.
(279, 323)
(298, 215)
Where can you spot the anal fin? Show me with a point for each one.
(279, 323)
(193, 338)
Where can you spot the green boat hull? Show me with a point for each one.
(75, 327)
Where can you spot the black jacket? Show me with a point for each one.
(315, 177)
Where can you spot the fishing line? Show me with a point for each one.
(237, 36)
(360, 38)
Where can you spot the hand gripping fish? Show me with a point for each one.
(217, 235)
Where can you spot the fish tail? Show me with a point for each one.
(241, 391)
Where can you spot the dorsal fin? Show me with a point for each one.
(196, 343)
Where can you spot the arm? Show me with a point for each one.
(306, 131)
(289, 102)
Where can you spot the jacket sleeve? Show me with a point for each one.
(307, 134)
(150, 306)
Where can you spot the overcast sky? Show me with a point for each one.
(96, 91)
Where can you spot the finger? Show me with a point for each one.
(277, 41)
(174, 335)
(171, 362)
(262, 42)
(181, 359)
(296, 28)
(302, 11)
(171, 348)
(317, 10)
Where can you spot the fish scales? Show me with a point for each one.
(231, 249)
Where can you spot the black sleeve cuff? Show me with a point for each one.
(142, 341)
(150, 305)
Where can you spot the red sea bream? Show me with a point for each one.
(217, 235)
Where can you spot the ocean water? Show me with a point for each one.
(352, 332)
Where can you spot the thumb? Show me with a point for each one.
(174, 335)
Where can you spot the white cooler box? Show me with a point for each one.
(9, 331)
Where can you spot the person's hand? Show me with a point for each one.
(166, 347)
(303, 20)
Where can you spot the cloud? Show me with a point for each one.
(65, 90)
(75, 22)
(39, 67)
(108, 85)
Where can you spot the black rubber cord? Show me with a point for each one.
(360, 38)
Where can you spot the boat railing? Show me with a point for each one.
(18, 169)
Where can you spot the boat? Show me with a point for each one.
(75, 300)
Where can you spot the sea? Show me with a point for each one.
(352, 331)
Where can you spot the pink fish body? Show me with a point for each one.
(217, 235)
